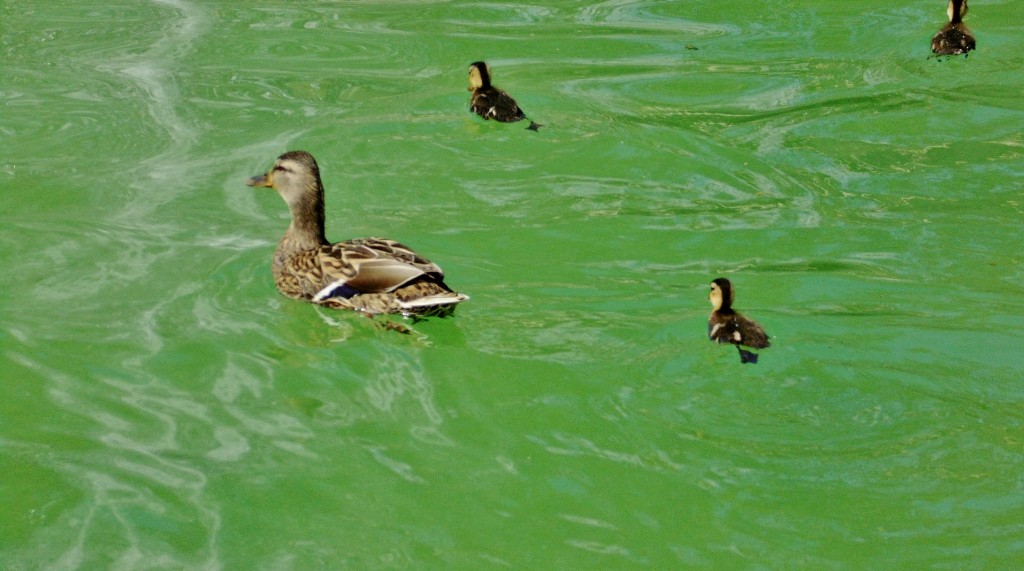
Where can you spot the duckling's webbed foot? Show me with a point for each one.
(534, 126)
(389, 325)
(746, 356)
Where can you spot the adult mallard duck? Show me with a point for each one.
(372, 275)
(954, 38)
(727, 326)
(490, 102)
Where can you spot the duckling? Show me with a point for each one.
(490, 102)
(370, 275)
(727, 326)
(954, 38)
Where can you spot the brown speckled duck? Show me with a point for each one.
(954, 38)
(727, 326)
(490, 102)
(371, 275)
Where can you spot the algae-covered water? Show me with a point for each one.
(163, 407)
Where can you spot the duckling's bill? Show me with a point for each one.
(262, 180)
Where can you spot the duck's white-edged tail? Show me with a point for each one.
(433, 300)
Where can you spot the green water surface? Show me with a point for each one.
(163, 407)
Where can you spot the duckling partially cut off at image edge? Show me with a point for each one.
(954, 38)
(727, 326)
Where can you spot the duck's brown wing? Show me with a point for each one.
(370, 265)
(736, 329)
(751, 333)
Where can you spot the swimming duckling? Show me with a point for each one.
(490, 102)
(727, 326)
(954, 38)
(371, 275)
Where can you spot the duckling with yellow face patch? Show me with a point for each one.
(490, 102)
(954, 38)
(727, 326)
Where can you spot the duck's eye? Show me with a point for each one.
(280, 168)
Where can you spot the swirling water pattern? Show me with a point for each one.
(164, 408)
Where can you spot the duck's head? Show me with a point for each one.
(956, 10)
(479, 75)
(295, 177)
(721, 294)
